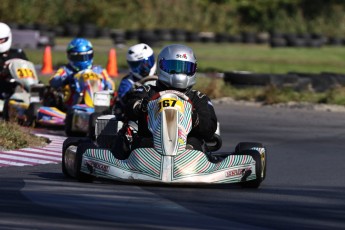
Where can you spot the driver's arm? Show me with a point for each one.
(59, 79)
(206, 124)
(109, 83)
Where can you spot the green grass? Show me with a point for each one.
(224, 57)
(216, 88)
(13, 136)
(229, 57)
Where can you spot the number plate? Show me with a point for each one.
(102, 99)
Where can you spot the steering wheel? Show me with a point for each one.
(144, 80)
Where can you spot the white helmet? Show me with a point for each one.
(5, 38)
(141, 60)
(177, 66)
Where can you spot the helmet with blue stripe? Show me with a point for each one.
(80, 54)
(141, 60)
(177, 67)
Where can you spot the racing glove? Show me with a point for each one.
(73, 84)
(141, 106)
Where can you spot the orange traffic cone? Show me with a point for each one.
(112, 63)
(47, 66)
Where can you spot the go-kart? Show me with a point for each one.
(103, 115)
(169, 161)
(25, 104)
(92, 102)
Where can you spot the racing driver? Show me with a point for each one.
(176, 70)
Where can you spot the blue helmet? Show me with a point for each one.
(80, 54)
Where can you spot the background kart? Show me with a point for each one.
(92, 102)
(169, 161)
(26, 104)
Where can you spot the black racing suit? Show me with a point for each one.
(204, 119)
(6, 87)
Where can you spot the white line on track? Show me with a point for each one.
(49, 154)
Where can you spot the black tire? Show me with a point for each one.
(148, 37)
(245, 148)
(131, 35)
(71, 30)
(31, 114)
(5, 112)
(278, 42)
(221, 37)
(163, 34)
(82, 147)
(88, 30)
(258, 168)
(68, 126)
(214, 144)
(248, 37)
(7, 116)
(118, 36)
(247, 79)
(192, 37)
(67, 143)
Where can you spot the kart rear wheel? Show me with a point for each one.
(247, 148)
(31, 114)
(69, 124)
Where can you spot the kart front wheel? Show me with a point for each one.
(71, 141)
(81, 176)
(258, 152)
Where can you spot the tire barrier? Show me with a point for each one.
(88, 30)
(131, 35)
(178, 35)
(297, 40)
(118, 37)
(163, 34)
(221, 37)
(192, 37)
(155, 36)
(148, 37)
(248, 37)
(71, 30)
(299, 81)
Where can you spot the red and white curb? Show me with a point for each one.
(50, 154)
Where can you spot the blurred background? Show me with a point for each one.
(264, 37)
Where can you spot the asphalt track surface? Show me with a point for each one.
(304, 188)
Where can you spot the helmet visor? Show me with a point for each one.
(80, 56)
(143, 66)
(177, 67)
(3, 40)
